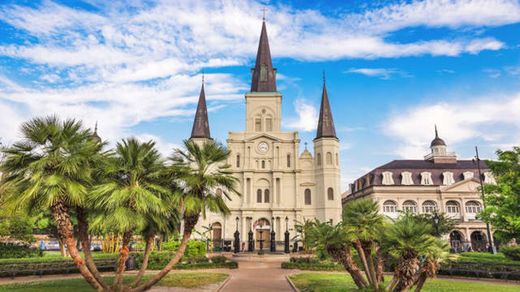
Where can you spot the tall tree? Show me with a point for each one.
(50, 169)
(199, 170)
(503, 198)
(131, 193)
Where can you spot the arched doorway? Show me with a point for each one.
(216, 236)
(478, 241)
(456, 241)
(262, 229)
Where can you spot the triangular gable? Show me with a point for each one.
(263, 135)
(468, 185)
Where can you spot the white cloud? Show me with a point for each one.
(493, 119)
(307, 117)
(382, 73)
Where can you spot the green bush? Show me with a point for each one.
(160, 259)
(13, 250)
(304, 260)
(313, 266)
(218, 259)
(511, 252)
(195, 248)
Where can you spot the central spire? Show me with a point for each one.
(201, 123)
(326, 127)
(264, 75)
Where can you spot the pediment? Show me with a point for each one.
(468, 185)
(263, 136)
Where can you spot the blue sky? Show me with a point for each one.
(394, 69)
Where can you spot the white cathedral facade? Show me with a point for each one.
(279, 185)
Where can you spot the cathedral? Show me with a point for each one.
(279, 186)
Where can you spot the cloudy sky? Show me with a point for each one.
(394, 69)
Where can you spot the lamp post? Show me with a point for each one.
(286, 235)
(436, 220)
(251, 242)
(237, 237)
(492, 248)
(273, 236)
(261, 251)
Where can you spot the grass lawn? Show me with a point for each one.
(184, 280)
(321, 282)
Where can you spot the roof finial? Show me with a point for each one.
(202, 76)
(95, 127)
(324, 79)
(436, 133)
(263, 11)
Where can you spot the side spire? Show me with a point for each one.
(201, 122)
(326, 127)
(264, 75)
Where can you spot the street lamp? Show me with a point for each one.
(436, 220)
(286, 235)
(491, 248)
(251, 243)
(237, 237)
(261, 251)
(273, 236)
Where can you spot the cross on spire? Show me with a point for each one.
(263, 13)
(202, 76)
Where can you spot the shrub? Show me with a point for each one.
(218, 259)
(304, 260)
(158, 260)
(14, 250)
(511, 252)
(195, 248)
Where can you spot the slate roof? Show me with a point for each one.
(326, 122)
(263, 59)
(201, 122)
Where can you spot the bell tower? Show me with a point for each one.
(263, 102)
(327, 171)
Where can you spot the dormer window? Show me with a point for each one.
(447, 178)
(406, 178)
(468, 175)
(489, 178)
(426, 178)
(388, 178)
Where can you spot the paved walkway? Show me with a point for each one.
(256, 273)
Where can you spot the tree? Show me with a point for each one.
(302, 231)
(199, 170)
(502, 199)
(131, 194)
(50, 169)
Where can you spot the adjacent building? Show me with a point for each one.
(279, 185)
(438, 183)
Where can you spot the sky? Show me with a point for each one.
(394, 69)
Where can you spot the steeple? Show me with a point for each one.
(264, 75)
(201, 123)
(326, 127)
(95, 135)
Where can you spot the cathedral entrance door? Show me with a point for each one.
(262, 233)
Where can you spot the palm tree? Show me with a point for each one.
(131, 194)
(407, 240)
(337, 242)
(50, 169)
(362, 219)
(199, 170)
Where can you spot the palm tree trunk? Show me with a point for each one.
(367, 249)
(345, 258)
(406, 270)
(189, 224)
(420, 282)
(85, 245)
(62, 217)
(147, 250)
(363, 259)
(380, 266)
(62, 247)
(123, 256)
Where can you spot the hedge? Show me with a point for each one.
(160, 259)
(511, 252)
(17, 250)
(194, 248)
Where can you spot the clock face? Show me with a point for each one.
(262, 147)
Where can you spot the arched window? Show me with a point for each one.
(263, 72)
(329, 158)
(288, 160)
(258, 124)
(268, 124)
(429, 207)
(452, 207)
(266, 196)
(318, 158)
(330, 194)
(263, 163)
(238, 160)
(259, 196)
(410, 206)
(389, 207)
(473, 207)
(308, 200)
